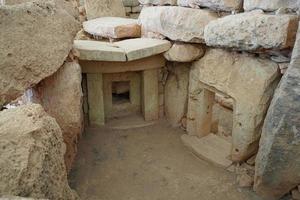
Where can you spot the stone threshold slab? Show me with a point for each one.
(211, 148)
(126, 50)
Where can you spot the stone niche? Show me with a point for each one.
(249, 81)
(121, 78)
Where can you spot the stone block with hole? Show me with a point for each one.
(249, 81)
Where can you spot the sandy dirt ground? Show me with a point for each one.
(147, 163)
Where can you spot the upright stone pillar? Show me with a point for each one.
(95, 99)
(150, 104)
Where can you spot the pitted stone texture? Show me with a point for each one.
(35, 39)
(222, 5)
(278, 160)
(183, 52)
(158, 2)
(61, 97)
(252, 31)
(71, 6)
(176, 93)
(32, 150)
(242, 77)
(130, 3)
(103, 8)
(271, 5)
(176, 23)
(113, 27)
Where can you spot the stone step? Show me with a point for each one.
(112, 27)
(211, 148)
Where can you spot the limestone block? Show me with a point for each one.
(131, 3)
(273, 5)
(222, 5)
(98, 51)
(95, 99)
(61, 97)
(102, 8)
(252, 31)
(158, 2)
(32, 51)
(136, 9)
(150, 104)
(71, 6)
(176, 23)
(31, 156)
(112, 27)
(176, 93)
(142, 47)
(183, 52)
(242, 77)
(278, 159)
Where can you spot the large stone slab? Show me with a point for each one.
(176, 93)
(242, 77)
(113, 27)
(61, 97)
(99, 51)
(183, 52)
(176, 23)
(278, 160)
(142, 47)
(248, 31)
(273, 5)
(222, 5)
(103, 8)
(158, 2)
(31, 156)
(29, 50)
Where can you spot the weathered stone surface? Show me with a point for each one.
(102, 8)
(32, 150)
(113, 27)
(61, 97)
(158, 2)
(252, 31)
(9, 197)
(223, 5)
(268, 5)
(131, 3)
(241, 77)
(182, 52)
(142, 47)
(71, 6)
(176, 93)
(29, 50)
(278, 160)
(99, 51)
(176, 23)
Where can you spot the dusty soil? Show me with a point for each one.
(147, 163)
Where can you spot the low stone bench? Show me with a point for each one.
(135, 61)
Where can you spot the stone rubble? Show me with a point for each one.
(182, 52)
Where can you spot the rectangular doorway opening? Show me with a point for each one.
(120, 92)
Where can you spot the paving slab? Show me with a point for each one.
(113, 27)
(99, 51)
(211, 148)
